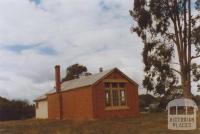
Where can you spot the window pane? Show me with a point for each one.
(122, 85)
(107, 98)
(190, 110)
(114, 85)
(115, 97)
(107, 85)
(181, 110)
(173, 110)
(122, 97)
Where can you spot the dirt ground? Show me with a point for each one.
(154, 123)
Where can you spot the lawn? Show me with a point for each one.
(150, 123)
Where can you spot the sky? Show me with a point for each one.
(36, 35)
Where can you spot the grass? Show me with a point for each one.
(154, 123)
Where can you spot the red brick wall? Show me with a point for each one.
(76, 104)
(53, 106)
(132, 100)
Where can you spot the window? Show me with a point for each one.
(108, 98)
(115, 97)
(181, 110)
(173, 110)
(190, 110)
(122, 97)
(115, 94)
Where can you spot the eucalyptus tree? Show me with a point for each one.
(170, 31)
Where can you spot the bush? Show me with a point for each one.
(155, 107)
(145, 100)
(15, 109)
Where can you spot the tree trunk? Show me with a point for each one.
(186, 69)
(186, 90)
(186, 83)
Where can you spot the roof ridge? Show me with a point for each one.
(107, 70)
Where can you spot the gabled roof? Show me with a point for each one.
(82, 81)
(88, 80)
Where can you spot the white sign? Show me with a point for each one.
(182, 114)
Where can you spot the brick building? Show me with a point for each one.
(106, 94)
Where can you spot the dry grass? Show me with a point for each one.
(145, 124)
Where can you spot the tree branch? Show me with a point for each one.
(176, 71)
(171, 36)
(194, 57)
(197, 67)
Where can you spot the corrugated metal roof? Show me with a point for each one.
(82, 81)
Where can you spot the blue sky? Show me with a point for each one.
(19, 48)
(37, 2)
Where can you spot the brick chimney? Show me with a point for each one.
(57, 78)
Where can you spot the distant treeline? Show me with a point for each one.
(150, 103)
(15, 109)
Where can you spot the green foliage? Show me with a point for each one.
(15, 109)
(197, 100)
(145, 100)
(170, 95)
(74, 71)
(169, 33)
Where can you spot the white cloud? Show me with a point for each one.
(93, 33)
